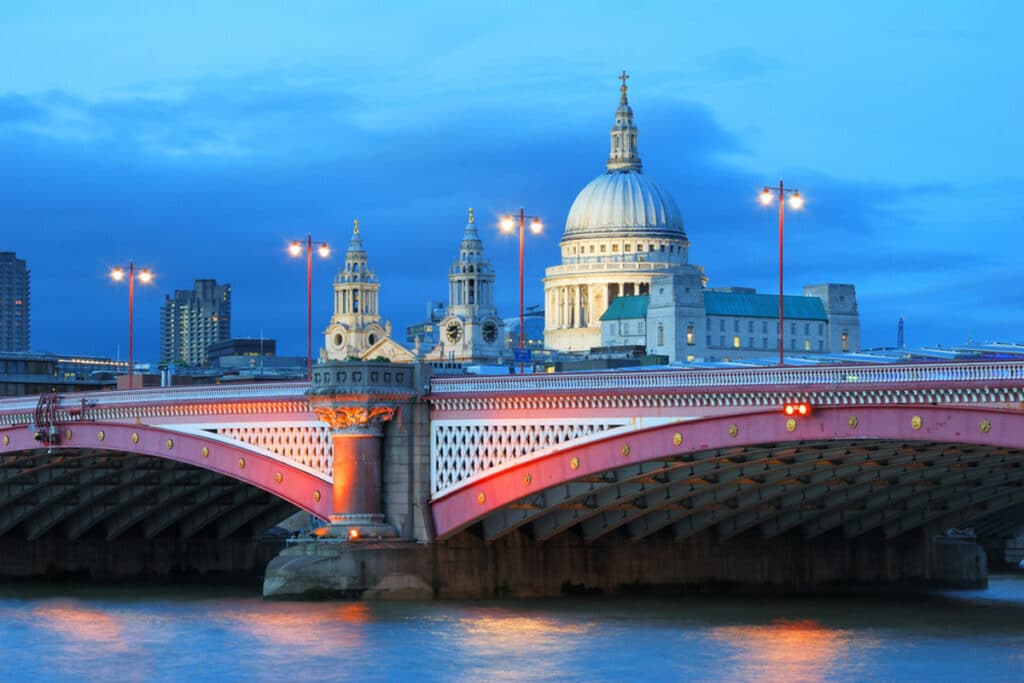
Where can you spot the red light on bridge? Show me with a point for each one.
(353, 534)
(798, 408)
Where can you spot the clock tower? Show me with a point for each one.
(471, 331)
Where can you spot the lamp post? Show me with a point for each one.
(295, 248)
(508, 225)
(795, 202)
(145, 277)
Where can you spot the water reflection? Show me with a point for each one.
(788, 650)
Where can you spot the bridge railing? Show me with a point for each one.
(641, 380)
(210, 392)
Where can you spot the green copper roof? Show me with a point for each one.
(764, 306)
(627, 307)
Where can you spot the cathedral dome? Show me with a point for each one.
(623, 204)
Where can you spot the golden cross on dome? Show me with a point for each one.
(623, 78)
(356, 231)
(471, 214)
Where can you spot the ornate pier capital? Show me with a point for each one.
(366, 420)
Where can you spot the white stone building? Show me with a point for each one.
(624, 237)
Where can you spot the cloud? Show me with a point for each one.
(213, 179)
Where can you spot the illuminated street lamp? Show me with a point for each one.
(144, 276)
(295, 249)
(795, 202)
(508, 225)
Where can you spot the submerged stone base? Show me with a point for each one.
(466, 567)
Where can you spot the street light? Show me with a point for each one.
(508, 225)
(295, 249)
(795, 202)
(145, 277)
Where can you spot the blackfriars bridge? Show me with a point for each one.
(528, 484)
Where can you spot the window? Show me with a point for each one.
(807, 344)
(721, 325)
(821, 329)
(845, 338)
(662, 248)
(629, 247)
(750, 342)
(750, 326)
(736, 342)
(721, 340)
(764, 342)
(615, 247)
(708, 340)
(602, 248)
(792, 328)
(764, 327)
(735, 325)
(689, 335)
(661, 334)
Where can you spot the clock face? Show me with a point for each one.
(453, 331)
(490, 331)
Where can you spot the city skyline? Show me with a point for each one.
(144, 135)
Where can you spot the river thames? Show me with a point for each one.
(87, 633)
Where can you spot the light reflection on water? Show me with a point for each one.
(127, 635)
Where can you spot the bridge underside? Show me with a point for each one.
(102, 494)
(769, 483)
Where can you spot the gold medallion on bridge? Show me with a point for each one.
(574, 463)
(100, 435)
(915, 422)
(985, 426)
(791, 425)
(7, 439)
(170, 444)
(278, 477)
(677, 438)
(625, 449)
(135, 437)
(241, 463)
(852, 422)
(527, 479)
(67, 435)
(205, 452)
(481, 498)
(316, 495)
(734, 429)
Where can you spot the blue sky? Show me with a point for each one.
(199, 138)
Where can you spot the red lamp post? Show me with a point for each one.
(145, 277)
(508, 225)
(795, 202)
(295, 249)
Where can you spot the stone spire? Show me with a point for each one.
(624, 155)
(471, 236)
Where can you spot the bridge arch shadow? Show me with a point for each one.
(856, 469)
(112, 479)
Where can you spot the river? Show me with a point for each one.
(125, 634)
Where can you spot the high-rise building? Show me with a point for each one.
(192, 320)
(14, 303)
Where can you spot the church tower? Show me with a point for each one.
(471, 331)
(356, 323)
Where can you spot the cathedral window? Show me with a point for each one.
(689, 334)
(661, 334)
(603, 248)
(736, 342)
(807, 344)
(845, 338)
(629, 247)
